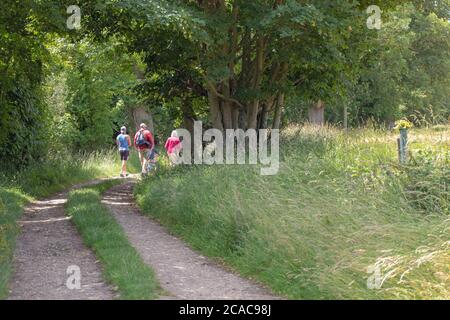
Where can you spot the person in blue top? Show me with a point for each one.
(124, 143)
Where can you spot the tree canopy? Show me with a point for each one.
(232, 63)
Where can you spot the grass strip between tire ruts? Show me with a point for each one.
(122, 266)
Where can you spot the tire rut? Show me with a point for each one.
(46, 247)
(183, 273)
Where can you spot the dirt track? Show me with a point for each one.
(47, 246)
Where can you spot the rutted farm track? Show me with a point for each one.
(49, 244)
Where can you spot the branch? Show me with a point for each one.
(298, 82)
(221, 96)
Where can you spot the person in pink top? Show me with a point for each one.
(173, 147)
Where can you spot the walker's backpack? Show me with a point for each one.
(141, 141)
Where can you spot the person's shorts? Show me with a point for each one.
(124, 154)
(152, 155)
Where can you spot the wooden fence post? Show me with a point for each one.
(403, 146)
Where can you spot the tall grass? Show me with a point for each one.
(62, 170)
(40, 180)
(340, 207)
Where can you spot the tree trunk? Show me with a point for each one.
(252, 114)
(317, 114)
(188, 115)
(242, 121)
(214, 108)
(227, 106)
(263, 116)
(235, 117)
(141, 114)
(345, 117)
(278, 111)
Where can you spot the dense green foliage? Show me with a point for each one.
(98, 82)
(23, 116)
(339, 205)
(122, 265)
(407, 72)
(249, 57)
(230, 63)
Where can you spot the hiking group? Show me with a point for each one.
(145, 144)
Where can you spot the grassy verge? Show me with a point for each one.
(122, 265)
(339, 208)
(11, 206)
(40, 180)
(63, 171)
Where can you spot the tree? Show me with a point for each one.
(403, 69)
(241, 53)
(253, 49)
(23, 116)
(100, 79)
